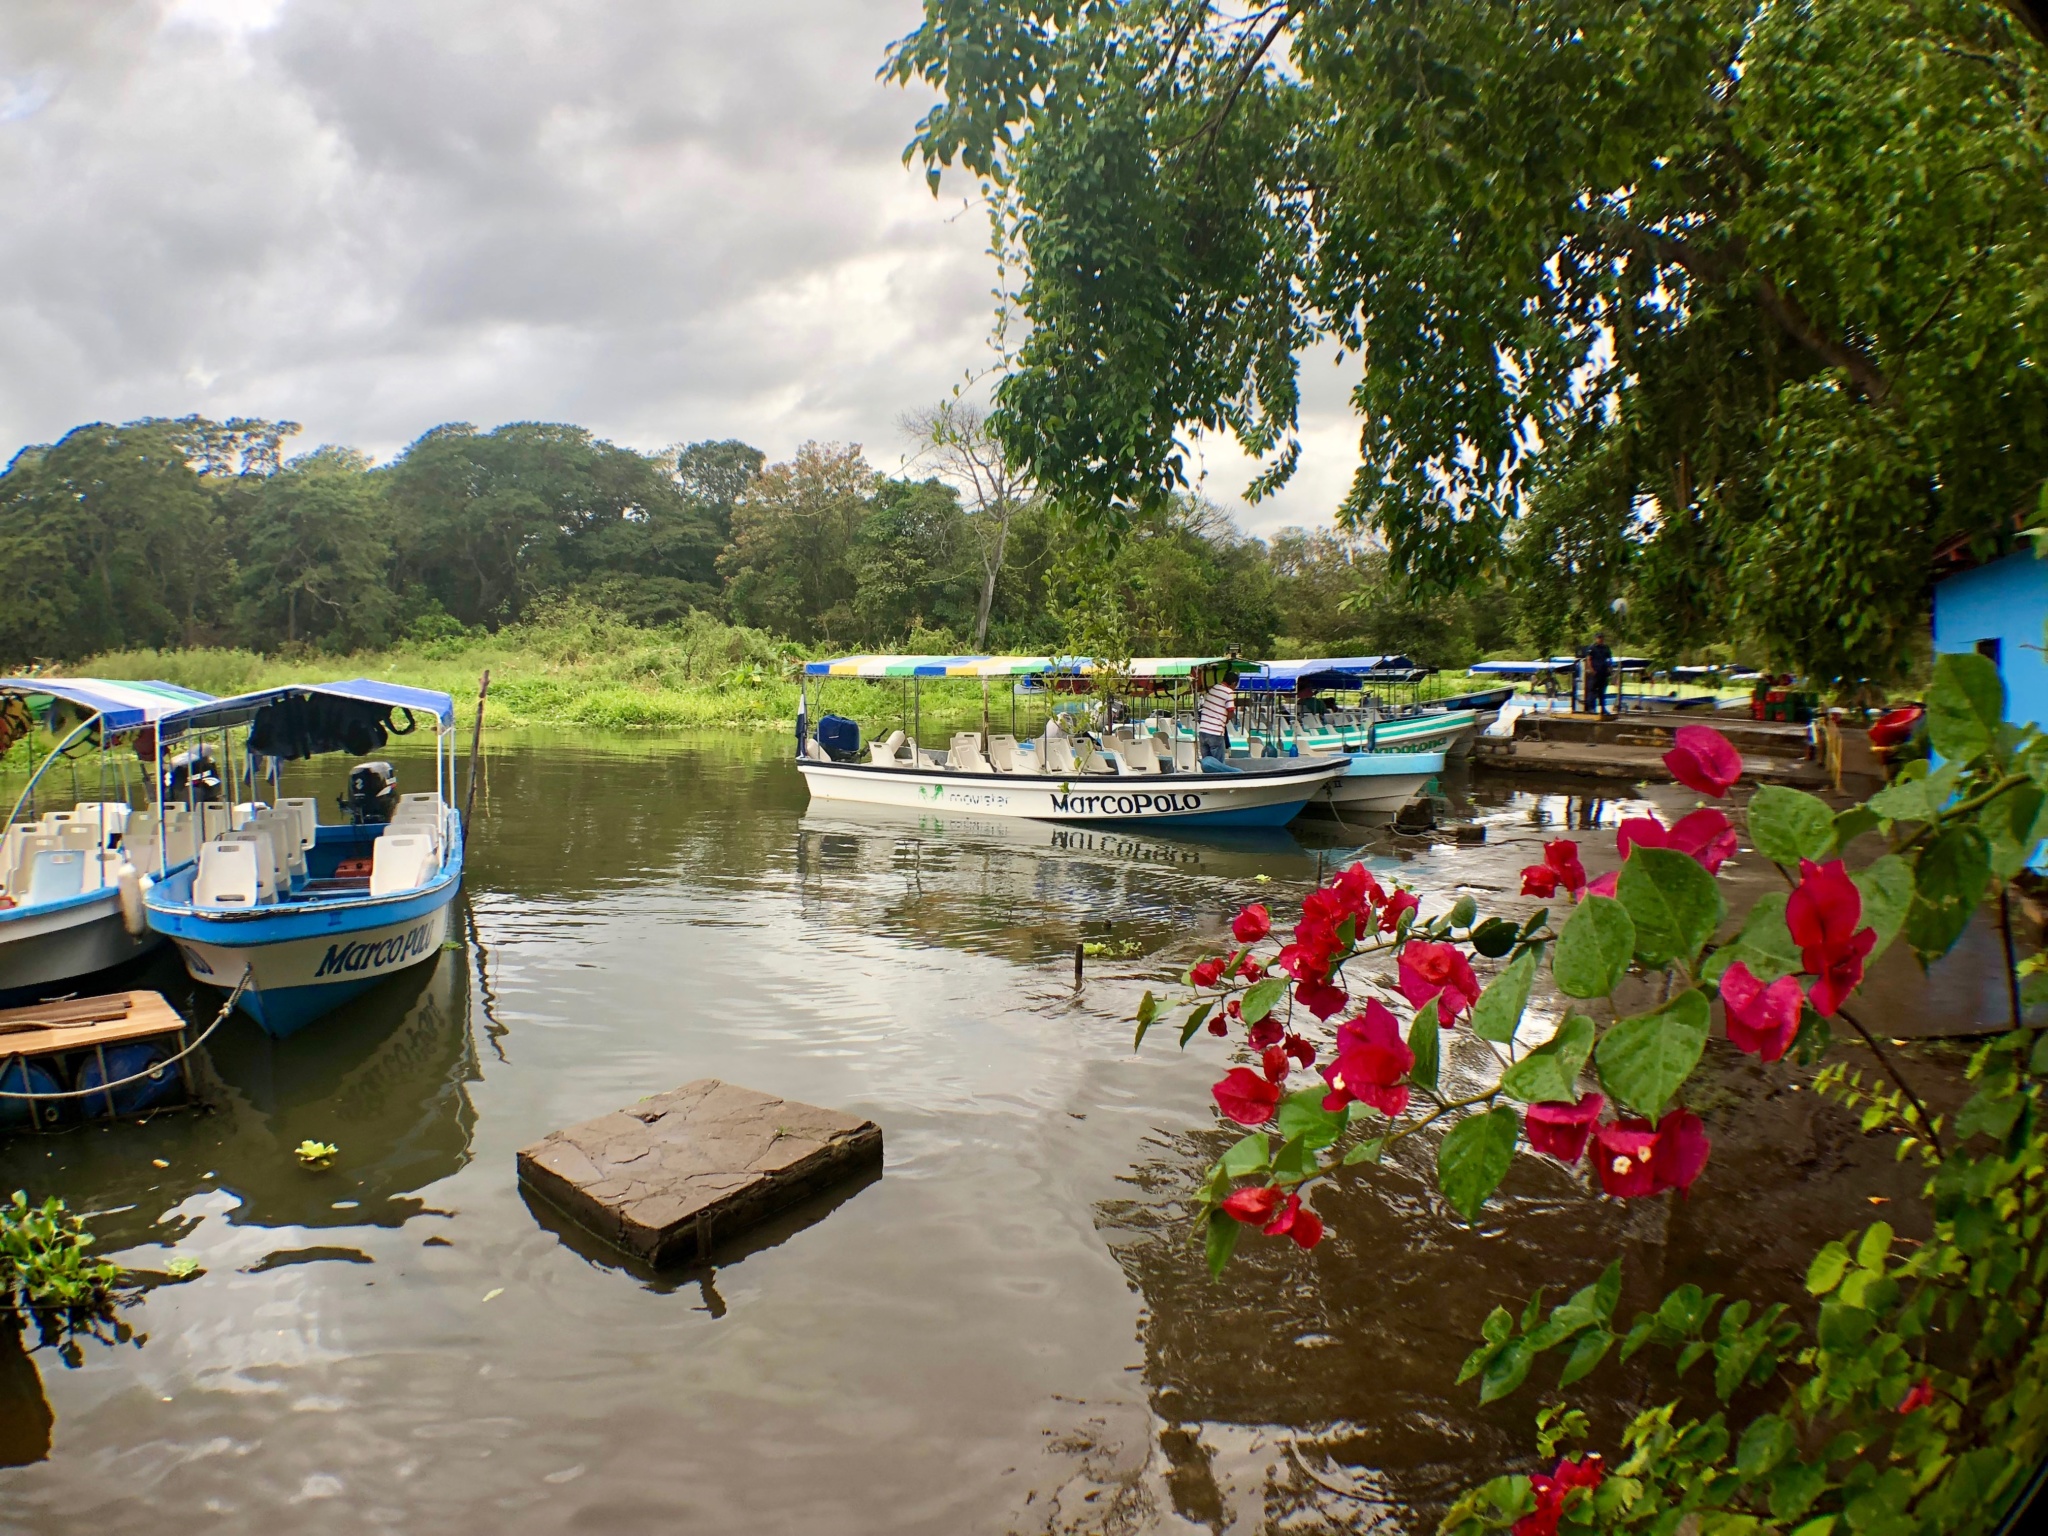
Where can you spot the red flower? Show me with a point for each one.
(1440, 971)
(1560, 867)
(1705, 836)
(1559, 1130)
(1246, 1097)
(1397, 903)
(1605, 885)
(1314, 950)
(1252, 924)
(1822, 915)
(1219, 1026)
(1702, 758)
(1296, 1221)
(1266, 1032)
(1301, 1050)
(1635, 1158)
(1206, 973)
(1276, 1064)
(1762, 1020)
(1918, 1396)
(1320, 998)
(1253, 1206)
(1250, 969)
(1552, 1491)
(1372, 1065)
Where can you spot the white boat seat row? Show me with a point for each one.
(306, 813)
(966, 754)
(401, 861)
(884, 753)
(57, 874)
(232, 874)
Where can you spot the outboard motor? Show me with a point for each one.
(372, 793)
(193, 775)
(840, 737)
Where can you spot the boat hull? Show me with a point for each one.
(1250, 799)
(1380, 781)
(42, 947)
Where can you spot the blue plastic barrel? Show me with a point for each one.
(22, 1075)
(163, 1086)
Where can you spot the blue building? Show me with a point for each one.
(2000, 610)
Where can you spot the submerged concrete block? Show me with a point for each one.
(667, 1178)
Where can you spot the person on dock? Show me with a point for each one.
(1212, 721)
(1599, 666)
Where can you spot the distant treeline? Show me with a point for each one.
(189, 532)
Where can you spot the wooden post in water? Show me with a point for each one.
(476, 737)
(1079, 949)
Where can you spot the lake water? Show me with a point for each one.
(1007, 1331)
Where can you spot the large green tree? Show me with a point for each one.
(788, 568)
(1737, 306)
(314, 555)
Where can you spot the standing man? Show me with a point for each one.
(1212, 722)
(1599, 664)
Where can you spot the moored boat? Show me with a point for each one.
(315, 913)
(72, 878)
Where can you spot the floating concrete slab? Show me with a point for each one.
(668, 1178)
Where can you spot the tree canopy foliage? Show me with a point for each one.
(1648, 296)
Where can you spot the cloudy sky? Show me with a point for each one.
(662, 219)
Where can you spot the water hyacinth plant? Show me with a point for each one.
(1915, 1399)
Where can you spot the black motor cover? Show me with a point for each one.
(372, 792)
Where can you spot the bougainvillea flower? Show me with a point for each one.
(1314, 949)
(1252, 924)
(1702, 758)
(1560, 869)
(1397, 903)
(1358, 889)
(1276, 1064)
(1253, 1206)
(1705, 836)
(1250, 969)
(1823, 914)
(1206, 973)
(1681, 1151)
(1552, 1490)
(1372, 1065)
(1296, 1221)
(1321, 998)
(1219, 1025)
(1918, 1396)
(1558, 1129)
(1605, 885)
(1328, 906)
(1268, 1031)
(1623, 1152)
(1301, 1050)
(1762, 1020)
(1246, 1097)
(1440, 971)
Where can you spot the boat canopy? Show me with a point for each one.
(874, 667)
(1322, 673)
(1555, 664)
(121, 706)
(243, 707)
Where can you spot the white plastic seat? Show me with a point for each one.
(306, 812)
(1137, 754)
(56, 874)
(1059, 754)
(181, 836)
(1187, 757)
(966, 754)
(883, 753)
(1002, 753)
(272, 875)
(400, 861)
(283, 828)
(214, 819)
(228, 876)
(35, 842)
(814, 752)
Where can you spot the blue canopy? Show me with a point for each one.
(363, 690)
(1320, 673)
(121, 706)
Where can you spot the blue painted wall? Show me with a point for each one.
(2006, 601)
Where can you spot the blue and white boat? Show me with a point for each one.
(312, 913)
(76, 855)
(1388, 762)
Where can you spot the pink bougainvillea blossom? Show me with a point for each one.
(1321, 998)
(1296, 1221)
(1623, 1153)
(1438, 971)
(1706, 835)
(1823, 914)
(1268, 1031)
(1246, 1097)
(1762, 1020)
(1559, 1129)
(1275, 1063)
(1372, 1065)
(1605, 885)
(1252, 923)
(1206, 973)
(1250, 969)
(1301, 1050)
(1397, 903)
(1553, 1489)
(1254, 1207)
(1681, 1151)
(1918, 1396)
(1219, 1025)
(1560, 869)
(1702, 758)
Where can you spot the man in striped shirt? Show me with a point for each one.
(1212, 722)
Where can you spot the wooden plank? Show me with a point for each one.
(668, 1177)
(47, 1028)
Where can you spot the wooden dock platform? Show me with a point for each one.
(75, 1057)
(1632, 747)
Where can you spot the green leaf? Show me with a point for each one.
(1221, 1241)
(1876, 1245)
(1302, 1114)
(1646, 1059)
(1590, 1350)
(1425, 1039)
(1473, 1159)
(1593, 951)
(1853, 823)
(1494, 937)
(1787, 825)
(1965, 705)
(1550, 1072)
(1367, 1151)
(1148, 1010)
(1841, 1326)
(1294, 1161)
(1766, 1442)
(1462, 912)
(1887, 887)
(2013, 824)
(1507, 1371)
(1260, 998)
(1948, 883)
(1249, 1155)
(1794, 1487)
(1674, 904)
(1197, 1017)
(1764, 944)
(1499, 1009)
(1827, 1269)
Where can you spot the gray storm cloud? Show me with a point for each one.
(661, 220)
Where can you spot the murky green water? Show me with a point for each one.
(1006, 1331)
